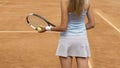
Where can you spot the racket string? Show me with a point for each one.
(36, 21)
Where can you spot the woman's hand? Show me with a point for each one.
(42, 30)
(89, 26)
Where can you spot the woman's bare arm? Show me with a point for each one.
(90, 16)
(64, 17)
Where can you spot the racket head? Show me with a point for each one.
(35, 21)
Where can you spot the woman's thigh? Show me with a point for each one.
(66, 62)
(82, 62)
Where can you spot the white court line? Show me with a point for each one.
(90, 65)
(26, 32)
(110, 23)
(18, 32)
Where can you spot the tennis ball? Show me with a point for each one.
(39, 28)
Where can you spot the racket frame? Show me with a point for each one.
(33, 14)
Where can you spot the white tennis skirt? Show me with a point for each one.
(77, 46)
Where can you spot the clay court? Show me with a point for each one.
(22, 47)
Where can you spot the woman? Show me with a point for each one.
(73, 40)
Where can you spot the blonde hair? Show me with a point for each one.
(76, 6)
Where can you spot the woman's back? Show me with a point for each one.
(76, 24)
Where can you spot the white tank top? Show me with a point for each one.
(76, 25)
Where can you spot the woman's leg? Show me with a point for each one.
(66, 62)
(82, 62)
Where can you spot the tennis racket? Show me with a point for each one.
(35, 21)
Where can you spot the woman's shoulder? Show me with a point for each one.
(65, 3)
(65, 0)
(87, 4)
